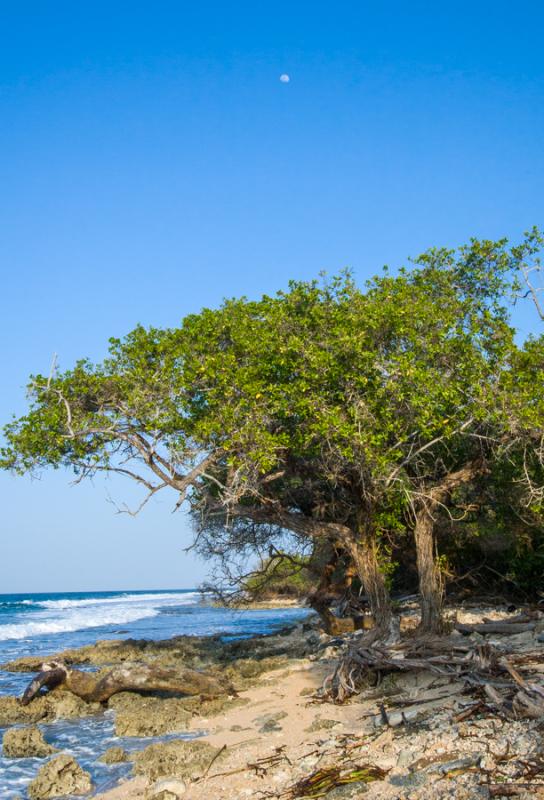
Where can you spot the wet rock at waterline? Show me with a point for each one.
(114, 755)
(26, 742)
(53, 705)
(60, 777)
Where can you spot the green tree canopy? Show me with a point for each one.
(332, 412)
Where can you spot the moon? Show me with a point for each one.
(284, 78)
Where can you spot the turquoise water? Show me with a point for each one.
(46, 623)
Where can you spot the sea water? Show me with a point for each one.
(43, 624)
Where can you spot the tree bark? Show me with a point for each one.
(431, 585)
(365, 555)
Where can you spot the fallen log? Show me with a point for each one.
(507, 628)
(131, 677)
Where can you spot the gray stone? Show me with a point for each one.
(269, 722)
(405, 758)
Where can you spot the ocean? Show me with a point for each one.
(43, 624)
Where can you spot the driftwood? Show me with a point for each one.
(507, 628)
(132, 677)
(48, 678)
(526, 621)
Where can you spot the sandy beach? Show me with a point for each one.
(404, 735)
(280, 732)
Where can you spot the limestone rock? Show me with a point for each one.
(53, 705)
(59, 777)
(26, 743)
(167, 789)
(179, 758)
(148, 716)
(114, 755)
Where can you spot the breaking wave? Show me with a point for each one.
(65, 615)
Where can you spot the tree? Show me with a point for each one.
(340, 416)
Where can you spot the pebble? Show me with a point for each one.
(405, 758)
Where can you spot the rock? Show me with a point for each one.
(148, 716)
(12, 712)
(166, 789)
(26, 743)
(322, 725)
(114, 755)
(182, 758)
(269, 722)
(53, 705)
(59, 777)
(396, 718)
(405, 758)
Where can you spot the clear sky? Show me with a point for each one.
(152, 162)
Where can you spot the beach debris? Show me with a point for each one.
(59, 777)
(322, 781)
(27, 742)
(521, 623)
(131, 677)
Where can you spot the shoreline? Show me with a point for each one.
(278, 729)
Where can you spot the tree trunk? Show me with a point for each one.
(365, 556)
(431, 585)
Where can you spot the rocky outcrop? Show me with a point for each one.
(53, 705)
(179, 758)
(114, 755)
(59, 777)
(192, 652)
(26, 743)
(148, 716)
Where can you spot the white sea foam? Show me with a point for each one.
(166, 598)
(63, 616)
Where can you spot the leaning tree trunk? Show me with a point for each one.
(365, 556)
(431, 585)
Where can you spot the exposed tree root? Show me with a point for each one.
(498, 682)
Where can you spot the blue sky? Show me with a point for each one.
(152, 162)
